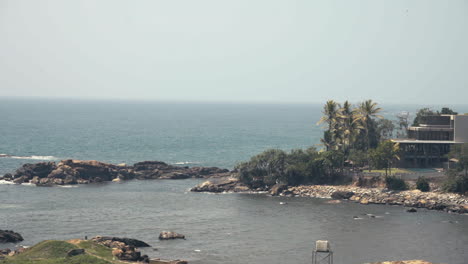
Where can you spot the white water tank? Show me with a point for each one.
(322, 246)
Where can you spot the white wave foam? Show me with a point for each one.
(33, 157)
(6, 182)
(28, 184)
(68, 186)
(185, 162)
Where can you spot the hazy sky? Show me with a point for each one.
(393, 51)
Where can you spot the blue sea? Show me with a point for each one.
(220, 228)
(192, 134)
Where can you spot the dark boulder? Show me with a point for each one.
(127, 241)
(152, 165)
(342, 195)
(127, 253)
(91, 169)
(7, 177)
(175, 176)
(8, 236)
(28, 171)
(411, 210)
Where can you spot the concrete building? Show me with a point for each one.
(429, 143)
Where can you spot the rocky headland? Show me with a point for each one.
(103, 250)
(67, 172)
(448, 202)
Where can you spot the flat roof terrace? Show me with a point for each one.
(415, 141)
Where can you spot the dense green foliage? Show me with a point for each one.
(384, 155)
(422, 184)
(55, 252)
(360, 134)
(457, 177)
(293, 168)
(428, 112)
(395, 183)
(456, 182)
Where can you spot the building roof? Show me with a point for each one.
(415, 141)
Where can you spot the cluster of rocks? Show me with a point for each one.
(448, 202)
(166, 235)
(124, 248)
(68, 172)
(220, 185)
(8, 236)
(10, 253)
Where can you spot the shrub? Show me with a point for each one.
(395, 183)
(293, 168)
(422, 184)
(455, 182)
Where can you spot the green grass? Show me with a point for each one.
(55, 252)
(96, 249)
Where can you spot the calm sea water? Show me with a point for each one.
(230, 228)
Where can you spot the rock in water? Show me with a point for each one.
(165, 235)
(127, 241)
(8, 236)
(342, 195)
(412, 210)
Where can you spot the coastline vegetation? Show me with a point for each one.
(354, 137)
(55, 252)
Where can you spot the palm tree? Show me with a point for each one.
(330, 116)
(349, 125)
(367, 111)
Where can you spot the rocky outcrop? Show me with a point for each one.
(8, 236)
(68, 172)
(166, 235)
(122, 250)
(219, 185)
(127, 241)
(449, 202)
(342, 195)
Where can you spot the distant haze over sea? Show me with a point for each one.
(191, 134)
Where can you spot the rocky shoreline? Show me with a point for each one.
(69, 172)
(448, 202)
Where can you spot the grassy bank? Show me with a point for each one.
(55, 252)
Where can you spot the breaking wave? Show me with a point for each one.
(33, 157)
(186, 162)
(6, 182)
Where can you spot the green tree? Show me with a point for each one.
(421, 114)
(460, 153)
(349, 126)
(385, 129)
(367, 111)
(330, 117)
(384, 155)
(447, 111)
